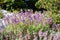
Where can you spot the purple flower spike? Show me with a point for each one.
(26, 13)
(23, 18)
(16, 20)
(55, 26)
(7, 18)
(40, 33)
(50, 21)
(36, 16)
(29, 17)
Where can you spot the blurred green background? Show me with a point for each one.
(53, 5)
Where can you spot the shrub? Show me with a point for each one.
(47, 4)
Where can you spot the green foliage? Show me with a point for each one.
(1, 1)
(12, 4)
(1, 15)
(17, 4)
(58, 4)
(47, 4)
(8, 1)
(56, 17)
(31, 4)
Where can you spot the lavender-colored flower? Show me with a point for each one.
(45, 34)
(7, 18)
(26, 14)
(40, 33)
(27, 36)
(16, 20)
(36, 16)
(55, 26)
(50, 21)
(29, 17)
(35, 36)
(23, 18)
(21, 14)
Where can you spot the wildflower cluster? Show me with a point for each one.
(29, 26)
